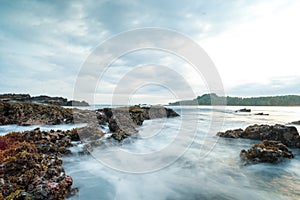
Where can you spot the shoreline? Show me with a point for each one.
(43, 150)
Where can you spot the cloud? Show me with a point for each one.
(274, 87)
(46, 42)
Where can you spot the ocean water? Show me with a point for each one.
(181, 158)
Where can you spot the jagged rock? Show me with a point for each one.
(30, 164)
(288, 135)
(123, 121)
(32, 171)
(268, 151)
(33, 114)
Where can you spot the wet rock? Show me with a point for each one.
(33, 114)
(296, 122)
(265, 114)
(30, 164)
(29, 173)
(268, 151)
(89, 133)
(123, 121)
(288, 135)
(77, 103)
(236, 133)
(243, 110)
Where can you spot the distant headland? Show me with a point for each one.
(43, 99)
(207, 99)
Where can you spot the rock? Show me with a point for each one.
(89, 133)
(77, 103)
(28, 171)
(243, 110)
(261, 114)
(296, 122)
(43, 99)
(30, 164)
(123, 121)
(236, 133)
(288, 135)
(58, 101)
(88, 116)
(33, 114)
(268, 151)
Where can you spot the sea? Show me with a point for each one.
(182, 158)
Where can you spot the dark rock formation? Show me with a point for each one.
(123, 121)
(58, 101)
(243, 110)
(267, 151)
(261, 114)
(30, 164)
(288, 135)
(33, 114)
(32, 170)
(43, 99)
(296, 122)
(15, 97)
(77, 103)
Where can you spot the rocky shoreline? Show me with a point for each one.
(275, 140)
(42, 99)
(31, 165)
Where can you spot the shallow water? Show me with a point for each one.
(202, 166)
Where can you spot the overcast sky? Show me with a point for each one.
(254, 45)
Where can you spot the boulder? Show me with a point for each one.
(288, 135)
(268, 151)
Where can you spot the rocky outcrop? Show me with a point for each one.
(268, 151)
(77, 103)
(288, 135)
(43, 99)
(28, 172)
(243, 110)
(33, 114)
(296, 122)
(124, 121)
(264, 114)
(15, 97)
(30, 164)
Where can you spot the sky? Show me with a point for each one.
(44, 46)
